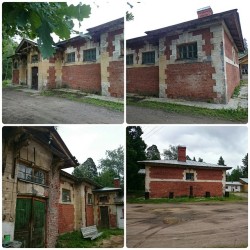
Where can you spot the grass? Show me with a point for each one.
(80, 98)
(141, 200)
(239, 114)
(237, 89)
(75, 239)
(5, 82)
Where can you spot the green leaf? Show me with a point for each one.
(45, 40)
(35, 20)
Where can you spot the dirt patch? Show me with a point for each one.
(115, 241)
(189, 225)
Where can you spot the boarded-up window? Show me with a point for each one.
(66, 196)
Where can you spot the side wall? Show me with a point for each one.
(160, 181)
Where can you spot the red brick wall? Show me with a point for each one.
(15, 76)
(51, 77)
(111, 38)
(161, 189)
(66, 218)
(192, 81)
(112, 220)
(205, 174)
(233, 73)
(85, 77)
(89, 215)
(116, 73)
(53, 209)
(166, 173)
(143, 81)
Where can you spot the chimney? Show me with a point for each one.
(206, 11)
(116, 182)
(181, 153)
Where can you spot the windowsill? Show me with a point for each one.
(32, 182)
(89, 61)
(148, 63)
(187, 60)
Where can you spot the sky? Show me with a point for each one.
(206, 142)
(150, 15)
(91, 140)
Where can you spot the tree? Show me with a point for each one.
(106, 178)
(194, 159)
(153, 153)
(188, 158)
(113, 162)
(40, 20)
(245, 166)
(200, 160)
(235, 174)
(221, 161)
(135, 151)
(171, 153)
(8, 47)
(86, 170)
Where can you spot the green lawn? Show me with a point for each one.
(75, 239)
(239, 114)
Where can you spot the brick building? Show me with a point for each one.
(194, 60)
(181, 177)
(40, 200)
(92, 62)
(32, 160)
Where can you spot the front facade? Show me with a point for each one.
(91, 62)
(195, 60)
(177, 178)
(233, 186)
(244, 182)
(32, 160)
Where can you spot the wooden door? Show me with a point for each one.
(30, 222)
(104, 216)
(34, 78)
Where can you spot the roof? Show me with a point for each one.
(244, 180)
(233, 183)
(231, 19)
(188, 163)
(106, 26)
(107, 189)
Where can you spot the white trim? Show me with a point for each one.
(227, 60)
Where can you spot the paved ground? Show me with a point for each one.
(187, 225)
(152, 116)
(28, 107)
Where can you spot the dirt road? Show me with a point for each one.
(143, 115)
(27, 108)
(187, 225)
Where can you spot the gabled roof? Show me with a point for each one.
(188, 163)
(231, 19)
(24, 45)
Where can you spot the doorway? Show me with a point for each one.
(104, 216)
(34, 78)
(30, 222)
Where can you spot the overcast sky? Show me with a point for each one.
(86, 141)
(206, 142)
(150, 15)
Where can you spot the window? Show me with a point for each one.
(34, 59)
(130, 59)
(190, 176)
(122, 48)
(187, 51)
(66, 197)
(103, 198)
(71, 57)
(89, 55)
(148, 57)
(90, 201)
(31, 174)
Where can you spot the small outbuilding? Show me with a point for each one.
(233, 186)
(244, 182)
